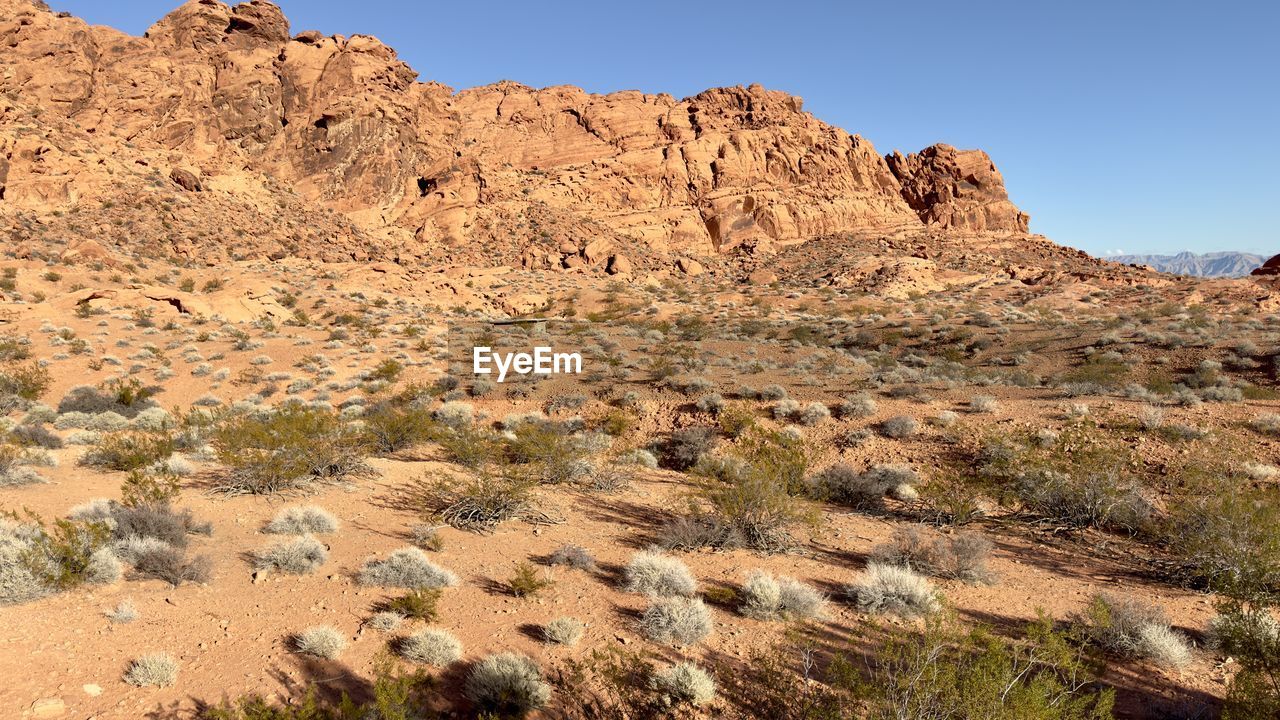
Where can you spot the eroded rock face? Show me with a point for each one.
(419, 172)
(1268, 268)
(956, 189)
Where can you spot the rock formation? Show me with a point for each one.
(219, 134)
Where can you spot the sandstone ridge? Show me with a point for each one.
(221, 134)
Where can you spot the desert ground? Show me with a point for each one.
(847, 441)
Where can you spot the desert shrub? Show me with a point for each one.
(470, 447)
(322, 641)
(860, 405)
(385, 620)
(713, 404)
(785, 409)
(389, 427)
(1267, 424)
(392, 695)
(302, 520)
(527, 581)
(735, 420)
(291, 448)
(685, 683)
(129, 450)
(946, 671)
(983, 404)
(454, 414)
(123, 613)
(406, 568)
(417, 604)
(1248, 632)
(426, 537)
(1227, 539)
(865, 490)
(676, 621)
(767, 598)
(297, 556)
(575, 556)
(812, 414)
(892, 589)
(752, 497)
(169, 564)
(478, 503)
(1130, 628)
(563, 631)
(554, 454)
(152, 670)
(28, 435)
(699, 530)
(438, 648)
(1082, 478)
(773, 392)
(151, 521)
(14, 470)
(20, 579)
(640, 457)
(124, 397)
(507, 684)
(655, 574)
(685, 447)
(962, 556)
(899, 427)
(23, 384)
(37, 559)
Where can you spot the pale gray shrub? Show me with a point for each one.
(455, 414)
(640, 457)
(157, 669)
(123, 613)
(860, 405)
(676, 621)
(766, 598)
(575, 556)
(297, 556)
(434, 647)
(302, 520)
(406, 568)
(323, 641)
(685, 683)
(507, 684)
(893, 589)
(386, 620)
(653, 573)
(563, 631)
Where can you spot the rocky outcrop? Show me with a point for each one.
(956, 189)
(226, 101)
(1268, 268)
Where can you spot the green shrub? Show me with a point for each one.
(527, 581)
(27, 382)
(751, 501)
(129, 450)
(974, 675)
(1249, 632)
(389, 428)
(1228, 538)
(417, 604)
(291, 448)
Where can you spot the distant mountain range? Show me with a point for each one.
(1214, 264)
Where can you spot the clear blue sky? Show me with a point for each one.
(1135, 125)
